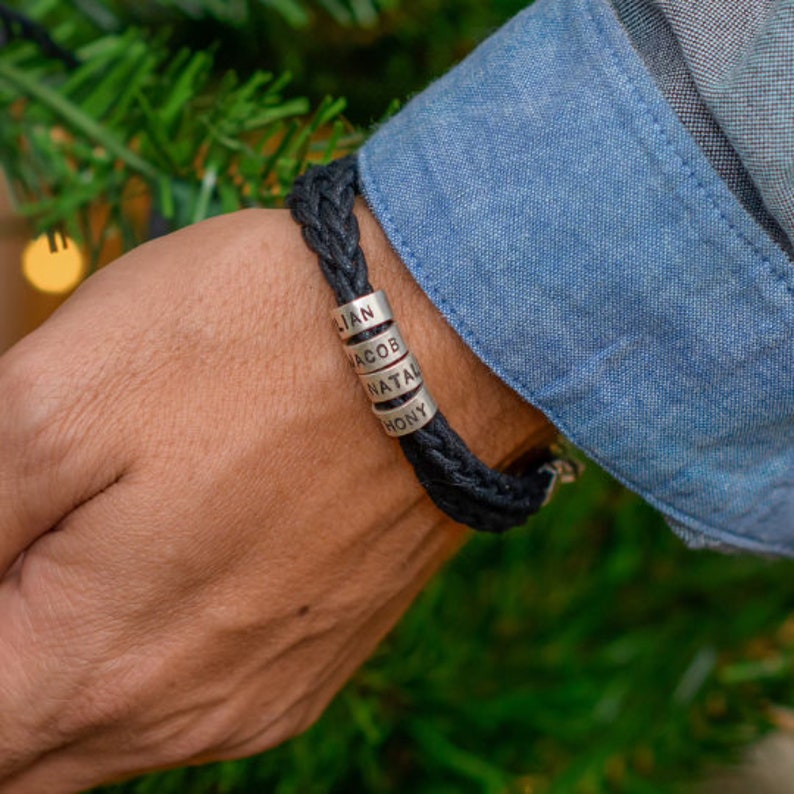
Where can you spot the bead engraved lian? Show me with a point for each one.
(408, 417)
(394, 381)
(362, 314)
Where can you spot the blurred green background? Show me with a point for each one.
(589, 652)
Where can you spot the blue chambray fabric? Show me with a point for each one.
(552, 205)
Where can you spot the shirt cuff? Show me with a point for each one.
(555, 210)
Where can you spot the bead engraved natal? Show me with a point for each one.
(362, 314)
(382, 350)
(394, 381)
(408, 417)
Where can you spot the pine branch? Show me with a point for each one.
(297, 13)
(138, 126)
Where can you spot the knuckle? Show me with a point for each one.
(34, 401)
(228, 733)
(235, 748)
(306, 715)
(98, 706)
(272, 728)
(197, 741)
(96, 694)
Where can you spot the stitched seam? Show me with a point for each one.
(783, 278)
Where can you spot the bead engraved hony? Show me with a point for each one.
(362, 314)
(408, 417)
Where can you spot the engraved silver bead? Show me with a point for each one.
(409, 417)
(362, 314)
(394, 381)
(381, 351)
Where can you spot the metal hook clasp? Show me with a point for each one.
(562, 472)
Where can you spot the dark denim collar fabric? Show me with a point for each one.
(697, 51)
(552, 205)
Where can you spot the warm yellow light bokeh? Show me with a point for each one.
(53, 273)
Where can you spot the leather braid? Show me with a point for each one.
(322, 203)
(464, 487)
(457, 481)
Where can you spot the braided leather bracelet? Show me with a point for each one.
(457, 481)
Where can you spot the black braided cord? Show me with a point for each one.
(456, 480)
(15, 26)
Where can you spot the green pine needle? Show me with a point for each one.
(135, 118)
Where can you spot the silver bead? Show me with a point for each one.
(394, 381)
(408, 417)
(384, 349)
(361, 314)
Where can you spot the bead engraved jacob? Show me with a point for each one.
(383, 349)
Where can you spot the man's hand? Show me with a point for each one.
(203, 531)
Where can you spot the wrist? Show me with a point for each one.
(458, 481)
(497, 424)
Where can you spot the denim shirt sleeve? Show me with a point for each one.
(555, 210)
